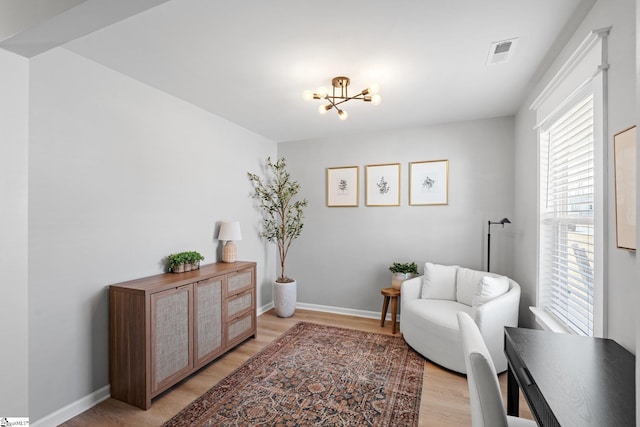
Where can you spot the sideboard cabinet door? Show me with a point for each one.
(171, 332)
(208, 314)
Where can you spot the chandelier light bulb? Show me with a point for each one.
(374, 88)
(324, 108)
(307, 95)
(322, 91)
(376, 99)
(343, 115)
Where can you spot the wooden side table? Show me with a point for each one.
(390, 294)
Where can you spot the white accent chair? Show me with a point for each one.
(487, 408)
(430, 304)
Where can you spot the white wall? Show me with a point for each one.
(120, 175)
(525, 179)
(621, 277)
(342, 257)
(14, 87)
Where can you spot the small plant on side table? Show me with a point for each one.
(402, 272)
(409, 267)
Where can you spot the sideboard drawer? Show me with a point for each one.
(240, 281)
(239, 304)
(241, 328)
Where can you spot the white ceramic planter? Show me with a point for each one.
(284, 298)
(398, 278)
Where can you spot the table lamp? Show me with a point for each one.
(229, 231)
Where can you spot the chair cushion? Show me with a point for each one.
(467, 284)
(430, 327)
(489, 288)
(439, 281)
(441, 314)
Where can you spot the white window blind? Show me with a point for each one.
(567, 216)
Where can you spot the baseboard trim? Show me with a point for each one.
(71, 410)
(264, 309)
(340, 310)
(60, 416)
(335, 310)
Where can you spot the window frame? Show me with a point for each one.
(584, 70)
(546, 221)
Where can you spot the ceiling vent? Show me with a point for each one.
(502, 51)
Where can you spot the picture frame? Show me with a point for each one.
(429, 183)
(342, 186)
(624, 160)
(382, 184)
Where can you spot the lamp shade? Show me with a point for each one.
(230, 231)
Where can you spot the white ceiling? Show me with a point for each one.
(19, 15)
(250, 60)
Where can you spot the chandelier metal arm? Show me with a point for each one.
(343, 100)
(359, 96)
(332, 102)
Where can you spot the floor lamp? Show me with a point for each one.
(503, 221)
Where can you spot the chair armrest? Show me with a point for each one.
(499, 312)
(411, 289)
(491, 319)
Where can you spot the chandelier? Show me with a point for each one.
(340, 95)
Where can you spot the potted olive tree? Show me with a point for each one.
(281, 224)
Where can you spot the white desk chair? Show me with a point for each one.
(487, 409)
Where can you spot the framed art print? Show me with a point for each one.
(342, 186)
(624, 159)
(429, 182)
(383, 185)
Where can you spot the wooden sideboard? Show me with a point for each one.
(165, 327)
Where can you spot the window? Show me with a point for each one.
(567, 217)
(570, 113)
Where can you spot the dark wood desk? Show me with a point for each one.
(570, 380)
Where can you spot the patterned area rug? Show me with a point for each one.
(316, 375)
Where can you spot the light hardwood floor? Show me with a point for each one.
(445, 396)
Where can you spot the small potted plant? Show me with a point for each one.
(402, 272)
(184, 261)
(187, 261)
(175, 263)
(194, 258)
